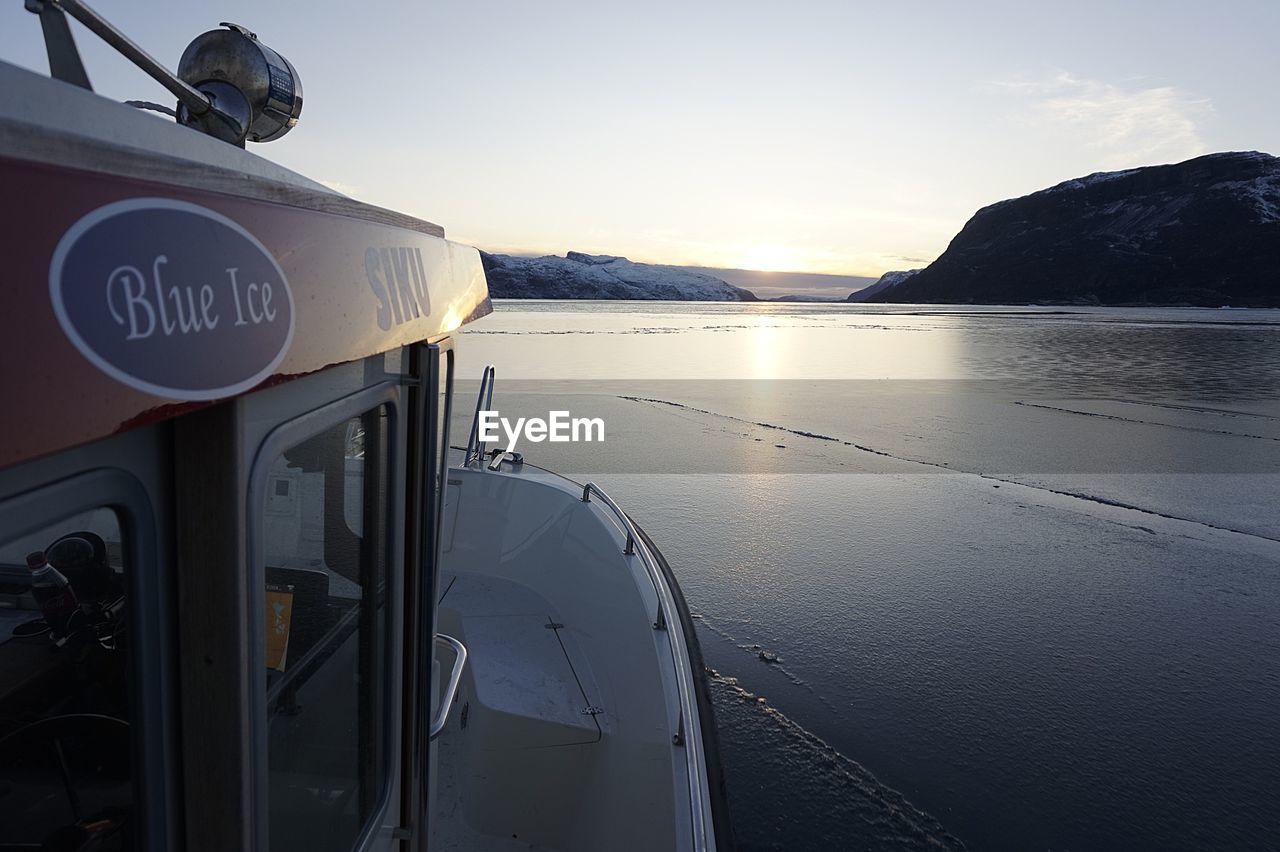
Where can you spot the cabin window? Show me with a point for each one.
(325, 548)
(65, 753)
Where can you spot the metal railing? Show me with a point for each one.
(691, 741)
(659, 620)
(451, 688)
(484, 401)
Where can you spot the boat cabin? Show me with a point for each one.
(250, 598)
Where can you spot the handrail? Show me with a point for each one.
(483, 403)
(660, 619)
(627, 526)
(690, 740)
(451, 689)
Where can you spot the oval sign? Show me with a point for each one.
(172, 299)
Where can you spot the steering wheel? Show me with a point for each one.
(65, 785)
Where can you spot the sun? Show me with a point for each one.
(771, 257)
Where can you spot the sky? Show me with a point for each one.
(815, 135)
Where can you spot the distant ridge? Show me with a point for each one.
(523, 276)
(789, 286)
(889, 279)
(591, 276)
(1201, 232)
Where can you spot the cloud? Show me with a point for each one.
(1122, 126)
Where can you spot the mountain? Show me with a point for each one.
(1202, 232)
(889, 279)
(804, 297)
(769, 286)
(595, 276)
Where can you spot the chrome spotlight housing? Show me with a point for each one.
(244, 79)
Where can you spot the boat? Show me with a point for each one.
(254, 595)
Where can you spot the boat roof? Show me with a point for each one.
(153, 269)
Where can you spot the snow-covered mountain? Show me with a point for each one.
(1201, 232)
(886, 281)
(804, 297)
(595, 276)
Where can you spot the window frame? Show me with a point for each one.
(276, 442)
(433, 366)
(156, 793)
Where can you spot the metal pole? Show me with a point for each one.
(193, 99)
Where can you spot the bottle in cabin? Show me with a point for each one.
(52, 592)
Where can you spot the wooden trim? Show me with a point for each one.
(213, 631)
(26, 141)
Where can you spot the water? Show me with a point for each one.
(968, 577)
